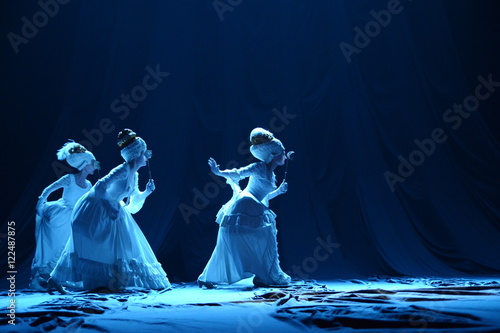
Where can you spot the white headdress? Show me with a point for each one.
(264, 145)
(131, 146)
(75, 154)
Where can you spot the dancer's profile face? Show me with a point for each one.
(89, 168)
(279, 159)
(141, 160)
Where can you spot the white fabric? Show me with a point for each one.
(77, 160)
(134, 150)
(268, 150)
(80, 160)
(246, 242)
(53, 226)
(109, 249)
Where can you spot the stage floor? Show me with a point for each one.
(378, 304)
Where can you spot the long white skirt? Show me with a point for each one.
(108, 250)
(246, 244)
(52, 231)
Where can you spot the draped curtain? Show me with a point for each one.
(390, 177)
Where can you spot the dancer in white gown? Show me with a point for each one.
(53, 218)
(246, 242)
(109, 250)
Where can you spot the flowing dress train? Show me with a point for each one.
(53, 227)
(246, 242)
(108, 249)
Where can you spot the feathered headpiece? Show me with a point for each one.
(264, 145)
(75, 154)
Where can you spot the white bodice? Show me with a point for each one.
(120, 183)
(260, 185)
(262, 181)
(71, 191)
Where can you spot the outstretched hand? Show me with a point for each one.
(214, 166)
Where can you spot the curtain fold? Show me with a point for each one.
(383, 182)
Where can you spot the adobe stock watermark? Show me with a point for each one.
(363, 37)
(201, 198)
(222, 6)
(121, 107)
(252, 320)
(421, 319)
(321, 252)
(31, 27)
(454, 117)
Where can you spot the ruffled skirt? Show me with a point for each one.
(246, 244)
(108, 250)
(52, 231)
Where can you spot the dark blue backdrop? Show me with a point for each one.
(391, 107)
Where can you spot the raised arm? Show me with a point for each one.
(62, 182)
(235, 175)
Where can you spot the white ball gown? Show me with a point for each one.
(108, 249)
(246, 242)
(53, 227)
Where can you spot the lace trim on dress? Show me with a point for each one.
(123, 274)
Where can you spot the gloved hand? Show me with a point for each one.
(282, 188)
(214, 166)
(150, 186)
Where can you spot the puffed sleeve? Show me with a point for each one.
(62, 182)
(237, 174)
(136, 199)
